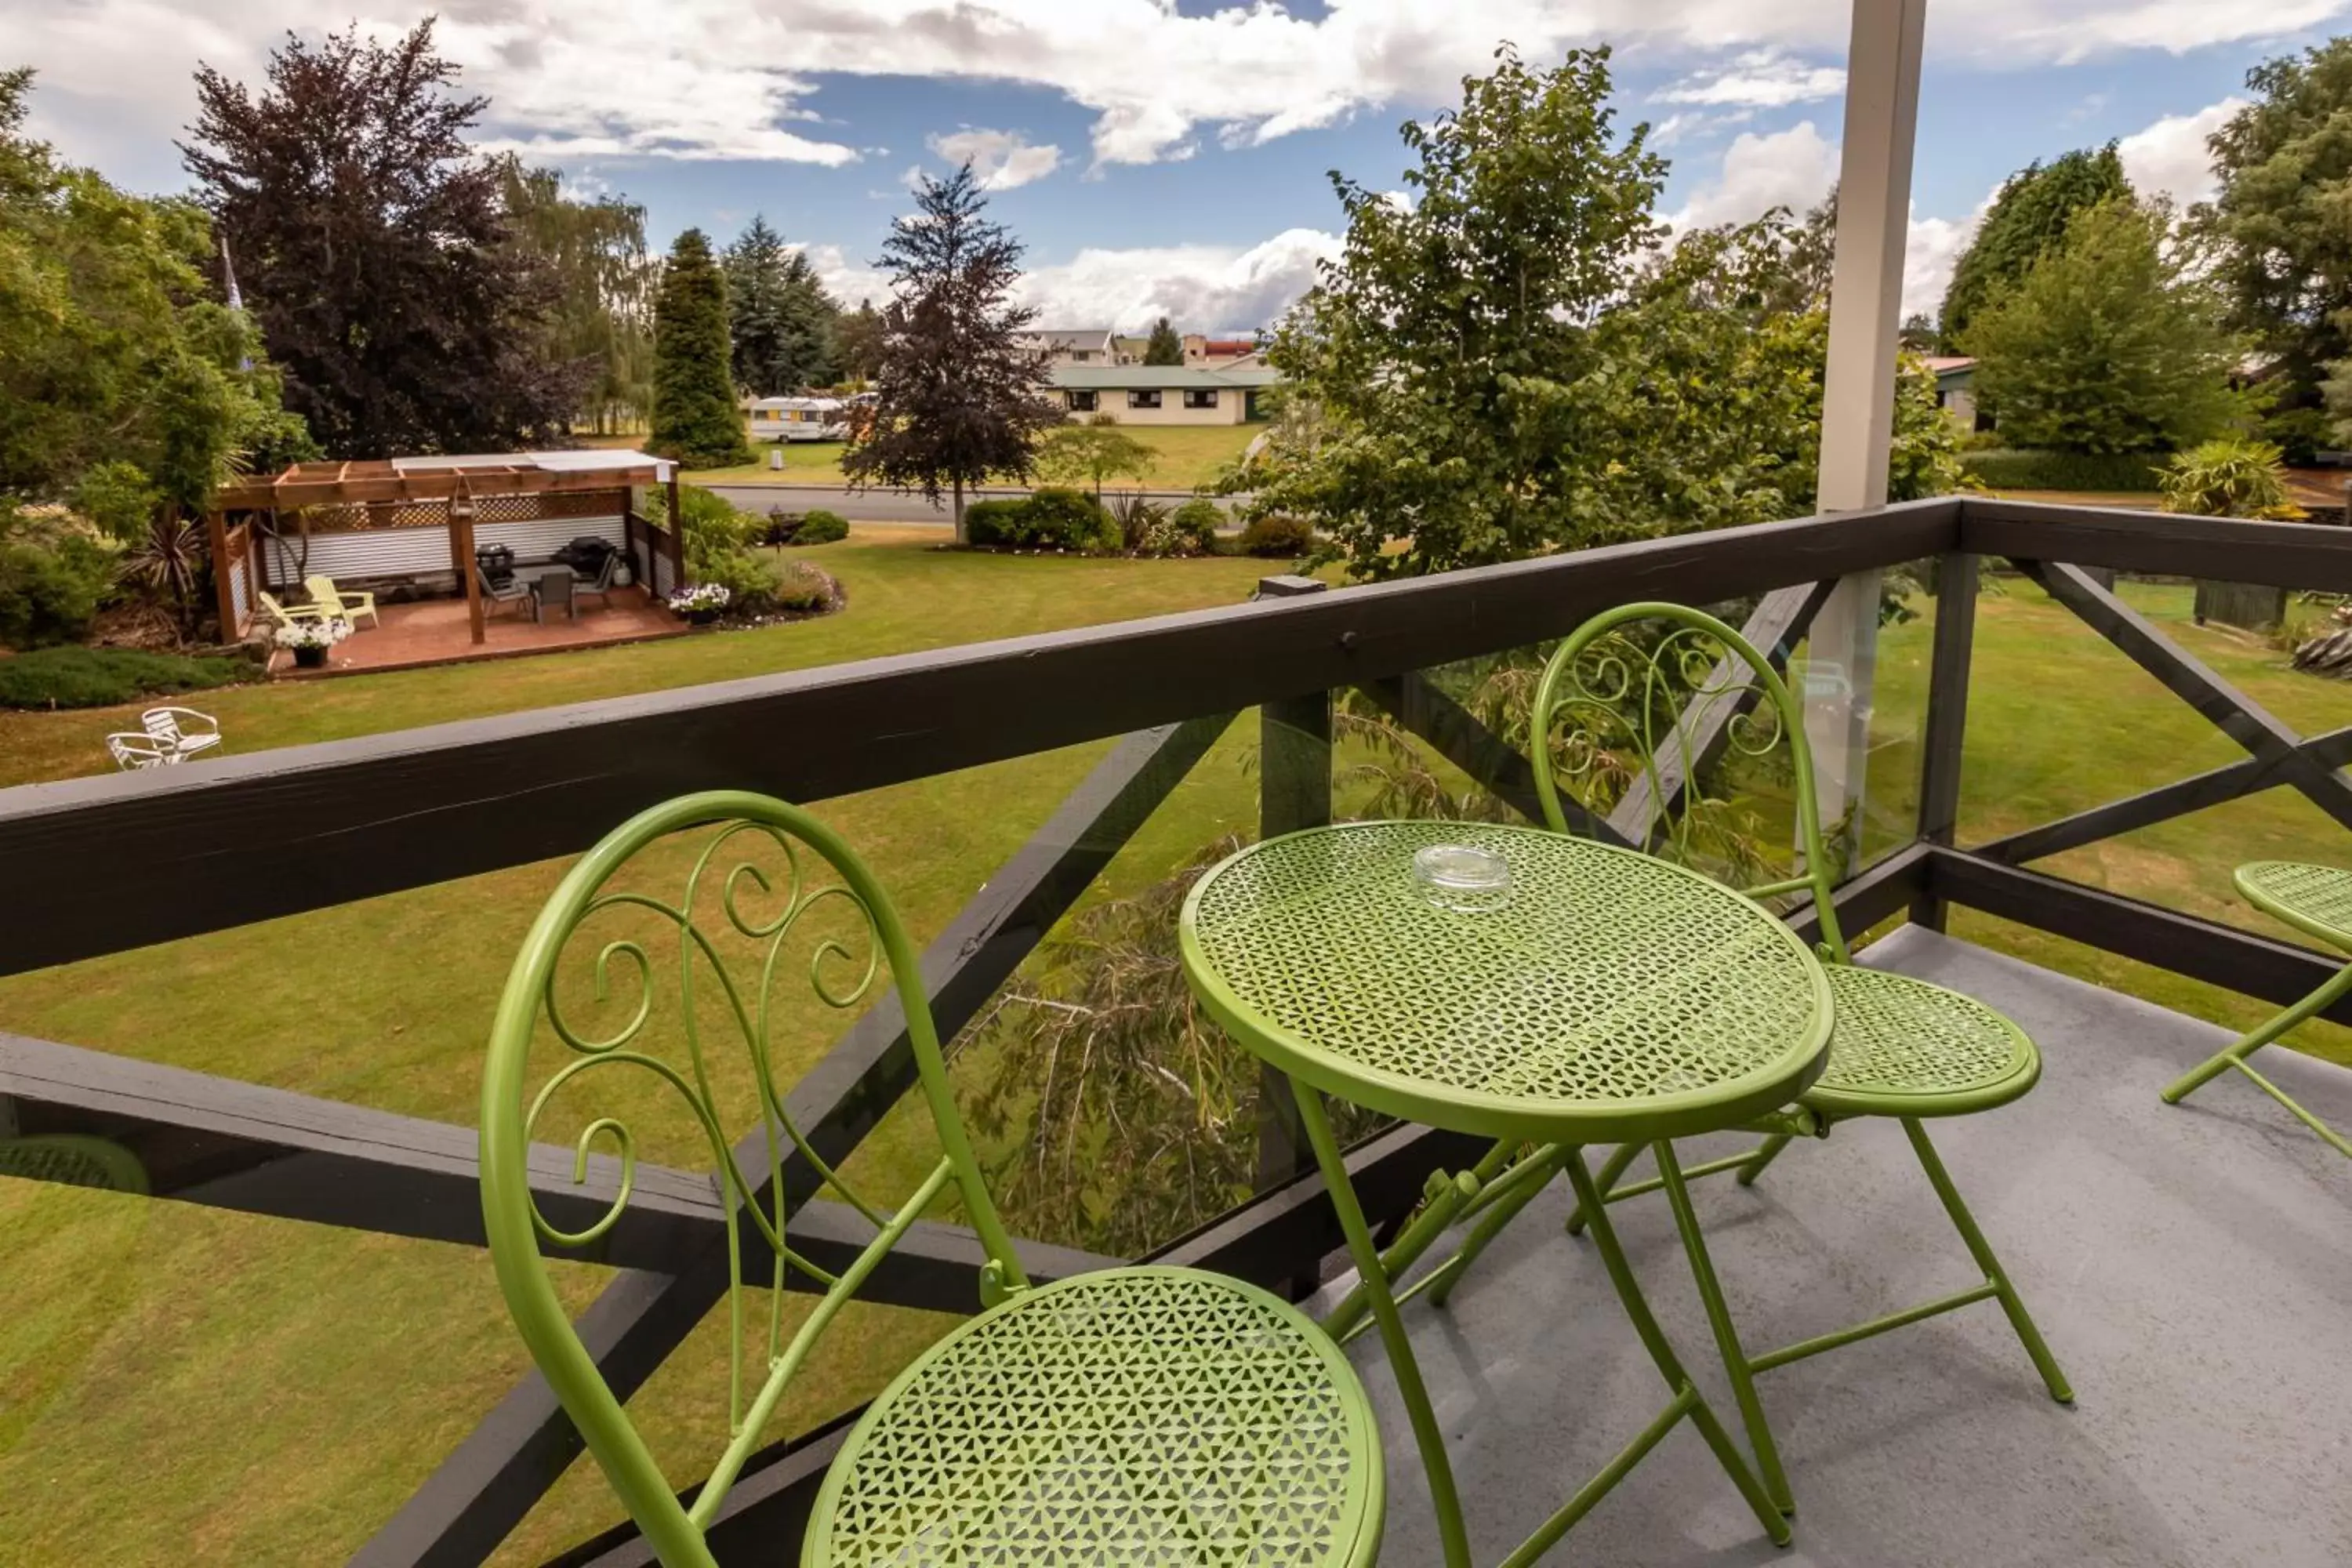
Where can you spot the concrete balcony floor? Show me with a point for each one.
(2192, 1267)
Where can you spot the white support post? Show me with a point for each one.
(1881, 119)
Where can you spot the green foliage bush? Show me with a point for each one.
(1197, 521)
(1277, 535)
(820, 527)
(2012, 469)
(1046, 519)
(2233, 477)
(1070, 520)
(102, 677)
(56, 568)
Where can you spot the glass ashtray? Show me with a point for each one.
(1462, 880)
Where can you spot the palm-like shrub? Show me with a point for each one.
(2233, 477)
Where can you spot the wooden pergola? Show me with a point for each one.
(456, 483)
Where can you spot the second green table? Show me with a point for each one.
(1603, 997)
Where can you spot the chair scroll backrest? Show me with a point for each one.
(773, 906)
(1645, 702)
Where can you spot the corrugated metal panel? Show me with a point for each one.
(665, 580)
(419, 551)
(237, 597)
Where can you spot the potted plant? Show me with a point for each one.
(310, 640)
(699, 605)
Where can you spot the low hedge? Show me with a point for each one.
(2012, 469)
(1277, 535)
(820, 527)
(1047, 519)
(105, 676)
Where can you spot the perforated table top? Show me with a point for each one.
(1610, 996)
(2315, 898)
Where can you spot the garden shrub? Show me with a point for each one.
(103, 677)
(1277, 535)
(1069, 520)
(56, 568)
(997, 525)
(2014, 469)
(2234, 477)
(1048, 519)
(1196, 523)
(820, 527)
(803, 589)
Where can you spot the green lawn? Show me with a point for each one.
(184, 1386)
(1188, 455)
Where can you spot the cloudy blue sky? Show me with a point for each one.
(1170, 155)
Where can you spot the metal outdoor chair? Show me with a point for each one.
(2317, 901)
(511, 591)
(180, 733)
(74, 1160)
(1624, 704)
(600, 586)
(1130, 1416)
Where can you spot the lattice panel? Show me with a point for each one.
(582, 503)
(505, 508)
(1608, 977)
(1897, 1035)
(2319, 894)
(1142, 1419)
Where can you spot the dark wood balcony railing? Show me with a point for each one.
(101, 864)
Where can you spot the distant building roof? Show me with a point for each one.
(1071, 337)
(1945, 364)
(1157, 377)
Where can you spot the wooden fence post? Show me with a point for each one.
(224, 594)
(1946, 728)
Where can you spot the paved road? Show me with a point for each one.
(882, 506)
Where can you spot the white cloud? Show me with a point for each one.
(1931, 247)
(1760, 78)
(1002, 158)
(1202, 287)
(725, 78)
(1793, 168)
(2170, 158)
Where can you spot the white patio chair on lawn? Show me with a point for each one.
(134, 749)
(178, 742)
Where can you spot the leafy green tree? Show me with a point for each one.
(1510, 367)
(857, 341)
(781, 316)
(603, 310)
(1163, 347)
(2280, 241)
(2029, 215)
(127, 393)
(1092, 453)
(376, 253)
(694, 420)
(2103, 346)
(959, 394)
(1451, 346)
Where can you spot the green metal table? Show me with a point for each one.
(1608, 997)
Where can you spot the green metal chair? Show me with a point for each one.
(1618, 710)
(1133, 1415)
(2317, 901)
(74, 1160)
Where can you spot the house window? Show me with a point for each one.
(1081, 402)
(1143, 400)
(1080, 356)
(1206, 398)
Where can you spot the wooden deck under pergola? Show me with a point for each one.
(454, 494)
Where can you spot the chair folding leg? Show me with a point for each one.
(1605, 1183)
(1765, 1154)
(2235, 1055)
(1727, 1337)
(1965, 1222)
